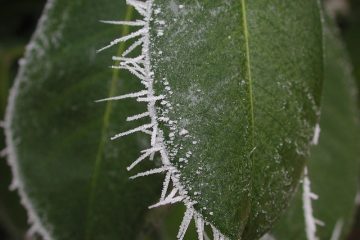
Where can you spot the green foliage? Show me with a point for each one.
(73, 175)
(334, 163)
(246, 80)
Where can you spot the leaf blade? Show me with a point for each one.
(334, 162)
(205, 69)
(61, 129)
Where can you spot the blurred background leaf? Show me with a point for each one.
(349, 22)
(18, 20)
(334, 162)
(350, 25)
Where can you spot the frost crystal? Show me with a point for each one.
(140, 66)
(267, 237)
(336, 234)
(310, 221)
(316, 136)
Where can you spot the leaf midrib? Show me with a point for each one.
(248, 65)
(248, 77)
(104, 137)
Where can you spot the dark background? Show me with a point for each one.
(18, 19)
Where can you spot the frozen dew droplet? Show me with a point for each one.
(183, 132)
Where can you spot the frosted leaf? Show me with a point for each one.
(140, 67)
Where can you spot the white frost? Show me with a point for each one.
(199, 223)
(128, 23)
(308, 196)
(336, 234)
(183, 132)
(185, 223)
(150, 172)
(130, 95)
(37, 225)
(317, 130)
(138, 129)
(268, 237)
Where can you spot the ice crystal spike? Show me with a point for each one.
(336, 234)
(316, 136)
(130, 95)
(128, 23)
(199, 223)
(138, 129)
(138, 116)
(150, 172)
(310, 221)
(185, 223)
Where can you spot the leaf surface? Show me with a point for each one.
(72, 178)
(244, 83)
(334, 163)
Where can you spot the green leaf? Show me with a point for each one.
(334, 163)
(71, 177)
(240, 82)
(246, 82)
